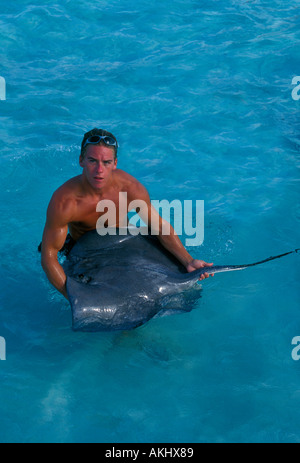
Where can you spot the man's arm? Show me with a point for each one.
(169, 240)
(54, 237)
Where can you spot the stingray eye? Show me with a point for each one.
(84, 279)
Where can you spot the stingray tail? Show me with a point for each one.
(231, 268)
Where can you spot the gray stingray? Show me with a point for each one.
(121, 282)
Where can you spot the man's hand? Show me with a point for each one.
(195, 264)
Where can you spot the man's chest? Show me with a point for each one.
(111, 211)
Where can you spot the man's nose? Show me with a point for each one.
(99, 167)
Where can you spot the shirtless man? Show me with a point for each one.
(73, 206)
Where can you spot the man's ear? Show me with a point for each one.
(115, 164)
(81, 161)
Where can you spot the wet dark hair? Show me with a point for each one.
(101, 133)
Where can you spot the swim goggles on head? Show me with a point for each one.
(95, 139)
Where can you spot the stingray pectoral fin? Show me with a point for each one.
(89, 313)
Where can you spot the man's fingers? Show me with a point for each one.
(206, 275)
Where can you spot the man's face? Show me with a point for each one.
(98, 164)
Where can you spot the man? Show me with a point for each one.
(73, 207)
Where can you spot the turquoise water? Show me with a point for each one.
(199, 96)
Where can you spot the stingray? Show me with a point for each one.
(121, 282)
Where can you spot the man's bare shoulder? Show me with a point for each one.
(71, 187)
(65, 199)
(130, 184)
(124, 178)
